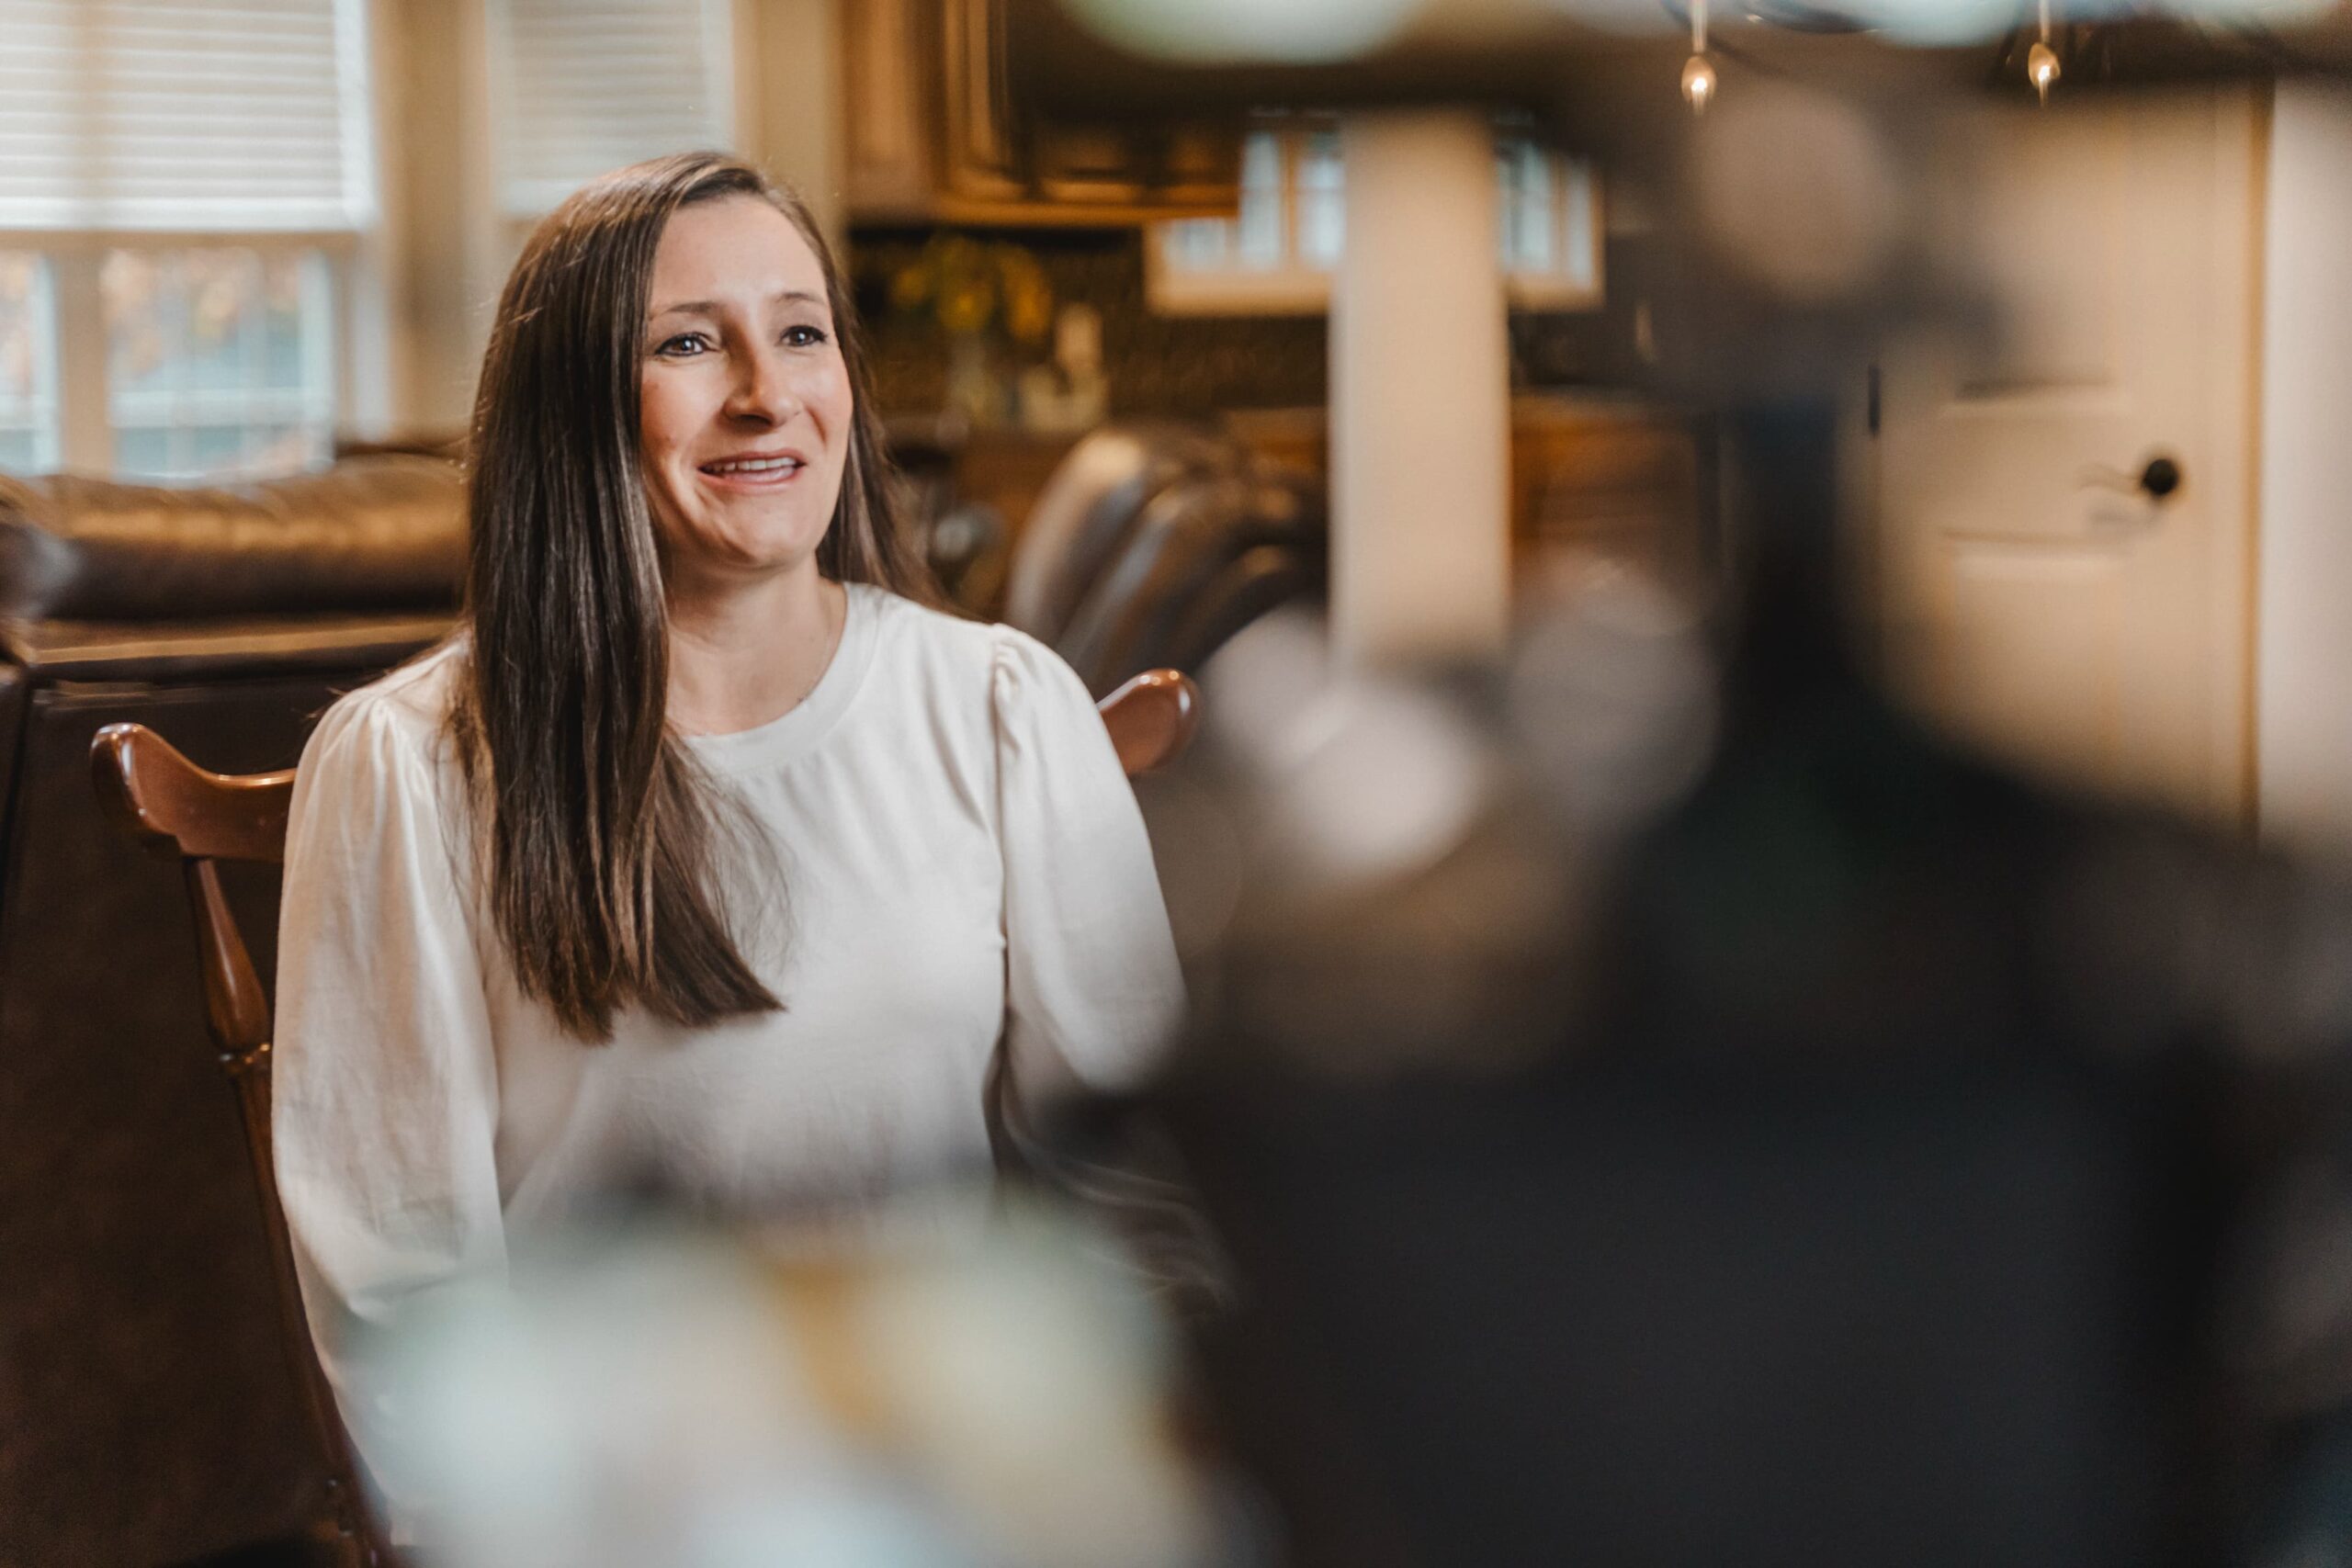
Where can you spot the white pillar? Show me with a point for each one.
(2304, 719)
(86, 433)
(789, 107)
(1420, 394)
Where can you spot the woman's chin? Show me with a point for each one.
(759, 547)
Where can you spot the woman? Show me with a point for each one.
(703, 854)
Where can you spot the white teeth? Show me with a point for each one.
(752, 466)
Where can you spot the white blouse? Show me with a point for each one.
(961, 860)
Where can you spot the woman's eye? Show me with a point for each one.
(686, 345)
(803, 336)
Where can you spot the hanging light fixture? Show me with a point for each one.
(2041, 61)
(1698, 75)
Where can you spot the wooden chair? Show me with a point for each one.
(200, 819)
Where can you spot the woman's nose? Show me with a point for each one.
(764, 389)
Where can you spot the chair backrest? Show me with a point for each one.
(1088, 509)
(1171, 561)
(180, 811)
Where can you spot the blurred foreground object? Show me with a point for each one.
(1228, 31)
(645, 1394)
(1847, 1153)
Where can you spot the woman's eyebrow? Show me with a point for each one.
(710, 307)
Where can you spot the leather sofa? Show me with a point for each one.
(146, 1413)
(1152, 544)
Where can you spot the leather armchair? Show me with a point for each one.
(1087, 509)
(1152, 545)
(149, 1416)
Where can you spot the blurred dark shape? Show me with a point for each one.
(1914, 1164)
(966, 550)
(1153, 544)
(963, 542)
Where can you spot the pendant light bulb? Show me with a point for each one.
(1698, 83)
(2041, 61)
(2041, 69)
(1698, 75)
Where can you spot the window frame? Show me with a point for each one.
(1302, 289)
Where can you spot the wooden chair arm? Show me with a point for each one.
(1152, 719)
(176, 809)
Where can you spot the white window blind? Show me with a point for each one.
(592, 84)
(204, 115)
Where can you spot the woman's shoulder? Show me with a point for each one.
(923, 629)
(379, 778)
(1001, 663)
(401, 715)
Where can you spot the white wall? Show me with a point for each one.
(791, 106)
(2303, 637)
(444, 221)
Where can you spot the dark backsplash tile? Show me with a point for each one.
(1176, 366)
(1188, 367)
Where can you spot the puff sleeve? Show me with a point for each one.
(1093, 989)
(386, 1095)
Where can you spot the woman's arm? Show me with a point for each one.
(1093, 989)
(385, 1094)
(1094, 993)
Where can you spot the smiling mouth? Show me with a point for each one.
(752, 468)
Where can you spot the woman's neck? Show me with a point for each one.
(742, 656)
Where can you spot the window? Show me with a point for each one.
(27, 364)
(181, 184)
(218, 361)
(1549, 216)
(592, 84)
(1276, 255)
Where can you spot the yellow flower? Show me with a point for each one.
(1029, 310)
(965, 307)
(911, 287)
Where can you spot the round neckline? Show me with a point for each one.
(807, 721)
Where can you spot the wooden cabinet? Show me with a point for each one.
(887, 98)
(933, 135)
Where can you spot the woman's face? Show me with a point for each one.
(743, 397)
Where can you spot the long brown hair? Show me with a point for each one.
(604, 839)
